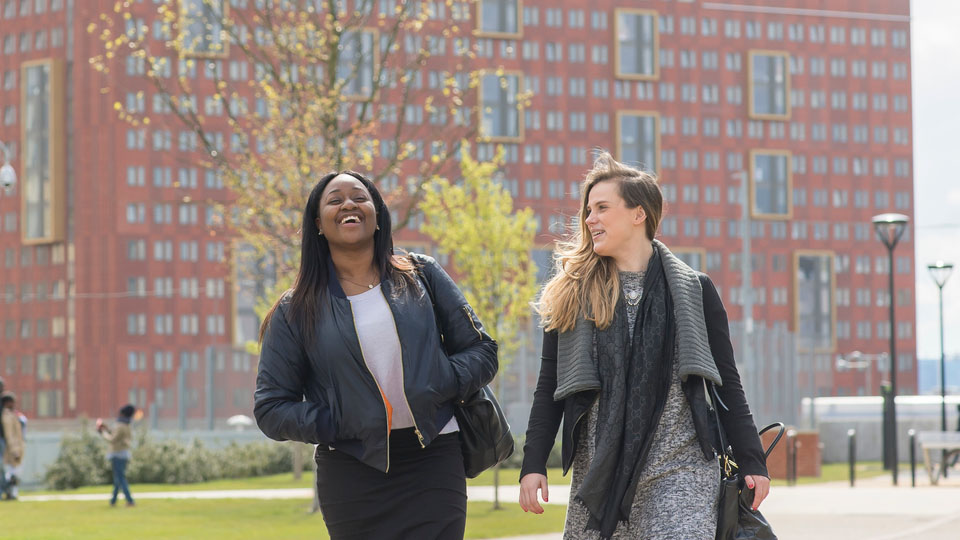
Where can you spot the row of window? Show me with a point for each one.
(165, 399)
(49, 403)
(163, 287)
(187, 214)
(28, 328)
(34, 292)
(504, 18)
(163, 324)
(33, 41)
(49, 367)
(28, 7)
(163, 250)
(189, 361)
(41, 255)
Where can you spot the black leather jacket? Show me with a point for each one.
(326, 394)
(545, 415)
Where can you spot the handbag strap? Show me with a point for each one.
(426, 286)
(725, 450)
(725, 455)
(766, 453)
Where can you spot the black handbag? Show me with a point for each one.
(736, 520)
(485, 438)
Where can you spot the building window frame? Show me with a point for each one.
(517, 102)
(654, 41)
(47, 186)
(753, 56)
(829, 344)
(500, 34)
(352, 88)
(757, 213)
(622, 118)
(219, 45)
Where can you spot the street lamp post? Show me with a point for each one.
(940, 271)
(746, 278)
(889, 228)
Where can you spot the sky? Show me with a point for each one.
(936, 147)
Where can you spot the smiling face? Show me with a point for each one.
(614, 228)
(347, 216)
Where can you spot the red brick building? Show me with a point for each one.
(114, 277)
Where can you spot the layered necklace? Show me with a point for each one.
(632, 285)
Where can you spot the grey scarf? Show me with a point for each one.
(576, 368)
(635, 378)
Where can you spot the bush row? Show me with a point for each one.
(82, 461)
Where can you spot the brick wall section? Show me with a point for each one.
(808, 454)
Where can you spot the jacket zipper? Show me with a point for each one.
(416, 429)
(469, 318)
(353, 319)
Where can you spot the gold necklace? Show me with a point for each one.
(370, 286)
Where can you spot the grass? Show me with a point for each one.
(508, 477)
(831, 472)
(838, 472)
(238, 519)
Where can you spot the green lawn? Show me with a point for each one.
(833, 472)
(238, 519)
(283, 481)
(840, 472)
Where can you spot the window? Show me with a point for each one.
(355, 65)
(692, 257)
(500, 110)
(201, 27)
(636, 46)
(499, 18)
(638, 140)
(769, 85)
(43, 149)
(814, 311)
(770, 183)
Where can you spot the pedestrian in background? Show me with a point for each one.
(352, 360)
(120, 438)
(633, 337)
(3, 447)
(13, 435)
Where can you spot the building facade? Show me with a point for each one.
(115, 271)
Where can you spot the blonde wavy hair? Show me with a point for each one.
(584, 282)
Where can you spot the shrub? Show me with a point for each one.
(82, 461)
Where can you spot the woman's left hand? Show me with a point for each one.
(760, 486)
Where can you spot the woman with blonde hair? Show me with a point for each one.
(633, 337)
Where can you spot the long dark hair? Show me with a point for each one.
(314, 274)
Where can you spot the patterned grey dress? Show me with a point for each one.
(678, 488)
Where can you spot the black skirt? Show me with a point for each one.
(422, 497)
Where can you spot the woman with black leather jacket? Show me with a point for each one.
(352, 361)
(633, 339)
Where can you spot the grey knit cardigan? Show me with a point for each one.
(577, 368)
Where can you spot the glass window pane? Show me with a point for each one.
(638, 141)
(636, 37)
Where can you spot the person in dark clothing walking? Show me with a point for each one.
(632, 339)
(352, 361)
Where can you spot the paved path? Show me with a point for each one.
(874, 510)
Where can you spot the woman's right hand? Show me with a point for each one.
(529, 485)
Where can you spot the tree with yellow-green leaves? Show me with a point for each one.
(273, 94)
(489, 242)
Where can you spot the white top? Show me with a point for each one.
(380, 346)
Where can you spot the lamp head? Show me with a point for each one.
(890, 227)
(940, 271)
